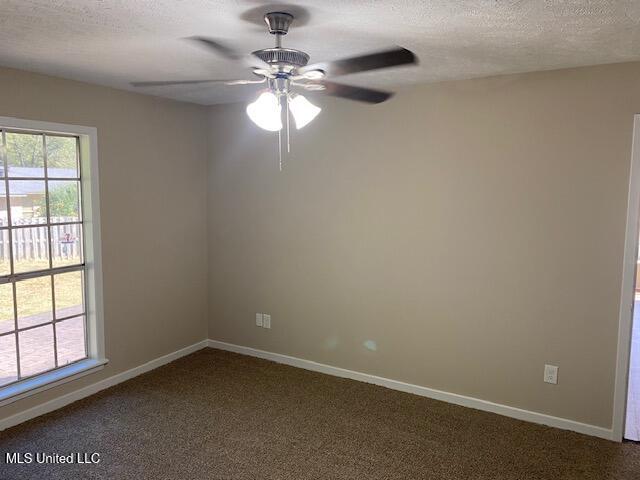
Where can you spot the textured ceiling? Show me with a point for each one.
(113, 42)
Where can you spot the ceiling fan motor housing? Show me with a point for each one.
(283, 56)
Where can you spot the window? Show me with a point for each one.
(50, 308)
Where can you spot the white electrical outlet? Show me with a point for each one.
(258, 319)
(551, 374)
(266, 320)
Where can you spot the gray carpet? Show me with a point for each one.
(219, 415)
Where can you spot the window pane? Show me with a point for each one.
(27, 201)
(70, 340)
(64, 201)
(36, 350)
(33, 297)
(8, 360)
(2, 156)
(3, 204)
(66, 244)
(62, 158)
(30, 249)
(5, 266)
(69, 294)
(24, 155)
(6, 308)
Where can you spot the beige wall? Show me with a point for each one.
(473, 230)
(152, 155)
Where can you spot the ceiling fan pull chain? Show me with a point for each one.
(286, 100)
(280, 149)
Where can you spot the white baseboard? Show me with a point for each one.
(462, 400)
(71, 397)
(454, 398)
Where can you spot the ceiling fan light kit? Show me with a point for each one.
(284, 69)
(266, 112)
(303, 110)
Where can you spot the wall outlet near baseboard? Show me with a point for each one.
(551, 374)
(259, 320)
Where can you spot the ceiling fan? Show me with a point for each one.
(283, 70)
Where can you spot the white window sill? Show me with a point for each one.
(48, 380)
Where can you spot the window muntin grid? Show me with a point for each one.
(63, 254)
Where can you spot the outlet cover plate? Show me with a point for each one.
(551, 374)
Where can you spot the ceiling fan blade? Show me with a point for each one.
(309, 75)
(245, 82)
(230, 53)
(350, 92)
(364, 63)
(194, 82)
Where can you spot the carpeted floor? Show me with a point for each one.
(219, 415)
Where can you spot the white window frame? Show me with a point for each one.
(88, 142)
